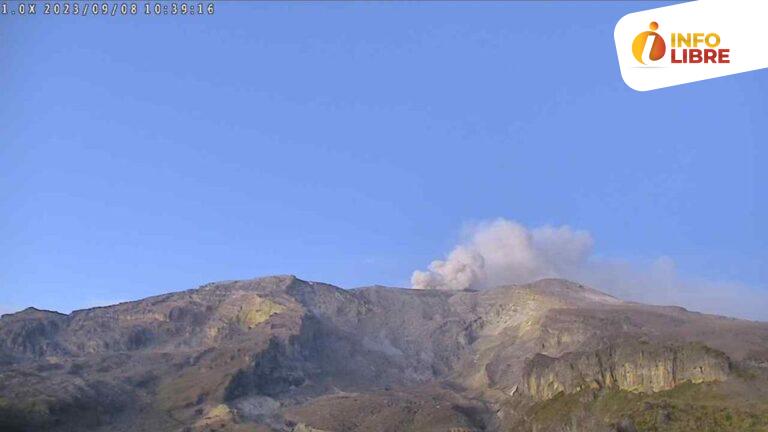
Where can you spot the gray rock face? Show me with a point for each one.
(255, 408)
(279, 353)
(32, 333)
(631, 366)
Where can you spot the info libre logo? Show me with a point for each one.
(691, 48)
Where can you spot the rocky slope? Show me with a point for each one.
(282, 354)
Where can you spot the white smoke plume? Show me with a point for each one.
(504, 252)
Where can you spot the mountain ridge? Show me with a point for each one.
(277, 353)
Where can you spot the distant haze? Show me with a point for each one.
(502, 251)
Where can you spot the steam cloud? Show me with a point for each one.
(504, 252)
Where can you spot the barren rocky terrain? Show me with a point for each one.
(282, 354)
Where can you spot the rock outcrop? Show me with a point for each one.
(631, 366)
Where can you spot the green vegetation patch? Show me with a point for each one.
(686, 408)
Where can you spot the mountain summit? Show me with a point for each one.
(282, 354)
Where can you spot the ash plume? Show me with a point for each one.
(502, 252)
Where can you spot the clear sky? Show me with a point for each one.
(349, 143)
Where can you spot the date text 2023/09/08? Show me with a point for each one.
(105, 8)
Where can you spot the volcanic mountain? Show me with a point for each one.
(283, 354)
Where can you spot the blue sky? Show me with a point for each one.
(349, 143)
